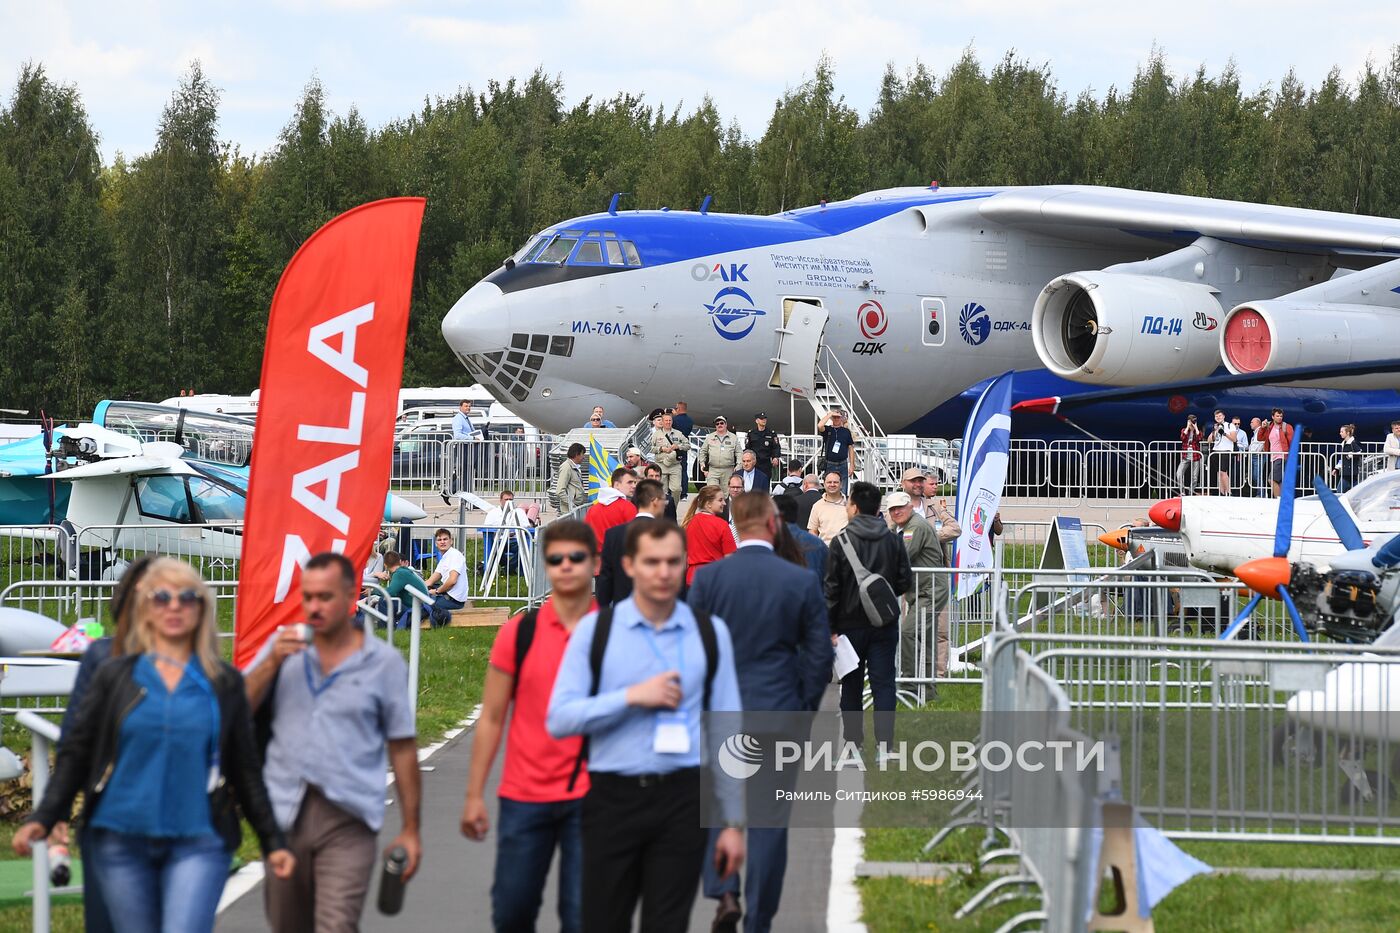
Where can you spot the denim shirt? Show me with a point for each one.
(165, 750)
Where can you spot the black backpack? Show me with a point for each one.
(599, 647)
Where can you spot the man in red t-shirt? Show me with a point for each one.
(614, 505)
(1277, 436)
(541, 797)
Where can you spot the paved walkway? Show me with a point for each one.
(453, 887)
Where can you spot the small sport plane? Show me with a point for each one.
(1223, 532)
(170, 478)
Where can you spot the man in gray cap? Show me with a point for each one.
(719, 454)
(929, 596)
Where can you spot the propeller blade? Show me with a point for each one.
(1293, 614)
(1338, 515)
(1389, 554)
(1265, 575)
(1283, 532)
(1242, 618)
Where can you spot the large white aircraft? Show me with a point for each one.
(920, 293)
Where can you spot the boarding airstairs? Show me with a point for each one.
(805, 368)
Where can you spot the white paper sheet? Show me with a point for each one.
(846, 658)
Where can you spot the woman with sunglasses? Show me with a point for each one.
(708, 537)
(162, 748)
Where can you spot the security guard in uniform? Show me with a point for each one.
(719, 454)
(667, 445)
(763, 441)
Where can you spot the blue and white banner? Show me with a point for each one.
(981, 477)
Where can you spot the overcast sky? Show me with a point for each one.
(385, 57)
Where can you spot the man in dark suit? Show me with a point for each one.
(612, 585)
(782, 652)
(653, 471)
(811, 492)
(814, 549)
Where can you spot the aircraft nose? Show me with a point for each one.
(1118, 540)
(1166, 514)
(479, 321)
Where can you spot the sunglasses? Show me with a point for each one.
(573, 557)
(184, 597)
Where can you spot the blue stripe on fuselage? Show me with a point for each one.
(665, 237)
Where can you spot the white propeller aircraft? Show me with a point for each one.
(1223, 532)
(920, 293)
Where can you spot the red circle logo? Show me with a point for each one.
(872, 319)
(1176, 404)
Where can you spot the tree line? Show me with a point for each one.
(154, 273)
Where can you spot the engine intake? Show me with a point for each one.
(1116, 328)
(1260, 336)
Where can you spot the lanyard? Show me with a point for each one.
(680, 649)
(311, 687)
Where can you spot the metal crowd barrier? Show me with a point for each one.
(1239, 741)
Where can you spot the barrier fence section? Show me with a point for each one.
(1239, 741)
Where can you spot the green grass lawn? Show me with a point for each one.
(452, 663)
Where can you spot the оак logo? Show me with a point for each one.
(740, 756)
(733, 313)
(974, 323)
(872, 319)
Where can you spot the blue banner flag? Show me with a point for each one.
(981, 478)
(600, 467)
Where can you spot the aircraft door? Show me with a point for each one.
(799, 342)
(934, 328)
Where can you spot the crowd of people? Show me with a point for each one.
(598, 693)
(1232, 459)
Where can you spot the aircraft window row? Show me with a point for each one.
(576, 247)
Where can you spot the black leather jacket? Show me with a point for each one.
(87, 754)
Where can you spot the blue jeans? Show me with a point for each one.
(1256, 476)
(526, 836)
(95, 916)
(159, 885)
(441, 612)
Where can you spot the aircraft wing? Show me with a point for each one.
(1108, 214)
(117, 466)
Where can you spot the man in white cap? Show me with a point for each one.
(633, 461)
(929, 595)
(912, 483)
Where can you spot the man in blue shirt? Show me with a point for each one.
(682, 422)
(596, 420)
(838, 447)
(642, 832)
(463, 431)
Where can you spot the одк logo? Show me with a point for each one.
(872, 319)
(974, 323)
(733, 313)
(740, 756)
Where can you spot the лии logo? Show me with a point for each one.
(733, 313)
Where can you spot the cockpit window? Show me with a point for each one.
(580, 247)
(1377, 499)
(558, 250)
(532, 249)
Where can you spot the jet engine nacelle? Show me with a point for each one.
(1260, 336)
(1116, 328)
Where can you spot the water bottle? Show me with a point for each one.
(60, 869)
(391, 883)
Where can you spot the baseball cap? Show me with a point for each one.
(896, 499)
(913, 473)
(720, 418)
(633, 450)
(762, 414)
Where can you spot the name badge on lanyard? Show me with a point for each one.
(836, 447)
(672, 733)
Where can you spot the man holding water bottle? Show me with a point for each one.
(339, 699)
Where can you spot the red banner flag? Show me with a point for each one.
(331, 373)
